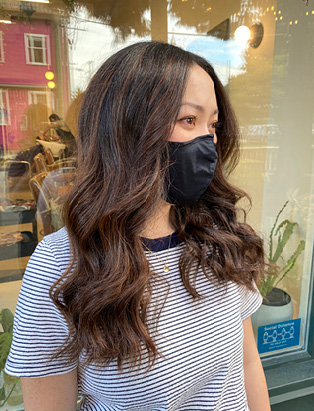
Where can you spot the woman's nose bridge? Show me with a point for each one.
(204, 128)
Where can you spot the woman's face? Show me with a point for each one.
(198, 113)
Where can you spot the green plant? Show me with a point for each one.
(279, 236)
(6, 321)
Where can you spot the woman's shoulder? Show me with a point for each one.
(39, 326)
(250, 299)
(51, 256)
(58, 240)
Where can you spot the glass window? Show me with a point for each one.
(4, 108)
(40, 97)
(263, 53)
(36, 49)
(267, 84)
(1, 48)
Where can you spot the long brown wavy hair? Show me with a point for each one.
(128, 113)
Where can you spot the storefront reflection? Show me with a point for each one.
(271, 89)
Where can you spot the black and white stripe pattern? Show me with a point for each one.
(201, 367)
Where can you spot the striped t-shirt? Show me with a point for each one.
(200, 341)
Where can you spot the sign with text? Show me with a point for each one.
(277, 336)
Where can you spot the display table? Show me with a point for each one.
(26, 246)
(54, 146)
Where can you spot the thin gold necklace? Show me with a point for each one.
(166, 267)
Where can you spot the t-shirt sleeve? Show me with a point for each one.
(250, 301)
(39, 327)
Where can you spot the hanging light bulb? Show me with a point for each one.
(253, 35)
(242, 34)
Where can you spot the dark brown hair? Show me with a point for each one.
(127, 116)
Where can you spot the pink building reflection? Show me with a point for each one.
(27, 52)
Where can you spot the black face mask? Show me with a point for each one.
(192, 168)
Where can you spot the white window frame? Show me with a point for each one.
(5, 119)
(1, 48)
(33, 98)
(29, 50)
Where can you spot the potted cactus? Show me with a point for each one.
(277, 303)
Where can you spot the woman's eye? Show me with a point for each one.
(189, 120)
(213, 126)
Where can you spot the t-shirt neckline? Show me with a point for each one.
(162, 243)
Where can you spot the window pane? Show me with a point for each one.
(270, 83)
(38, 42)
(1, 48)
(38, 56)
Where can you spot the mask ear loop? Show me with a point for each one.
(165, 171)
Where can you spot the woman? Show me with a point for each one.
(153, 311)
(63, 132)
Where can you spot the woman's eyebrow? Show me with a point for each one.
(198, 107)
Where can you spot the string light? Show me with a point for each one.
(49, 75)
(296, 22)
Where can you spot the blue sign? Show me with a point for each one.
(277, 336)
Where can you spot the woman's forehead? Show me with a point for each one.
(200, 90)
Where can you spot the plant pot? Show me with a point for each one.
(276, 307)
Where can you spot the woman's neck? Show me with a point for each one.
(159, 224)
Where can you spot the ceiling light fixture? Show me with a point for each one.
(257, 34)
(253, 35)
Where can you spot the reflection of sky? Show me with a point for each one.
(227, 57)
(93, 42)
